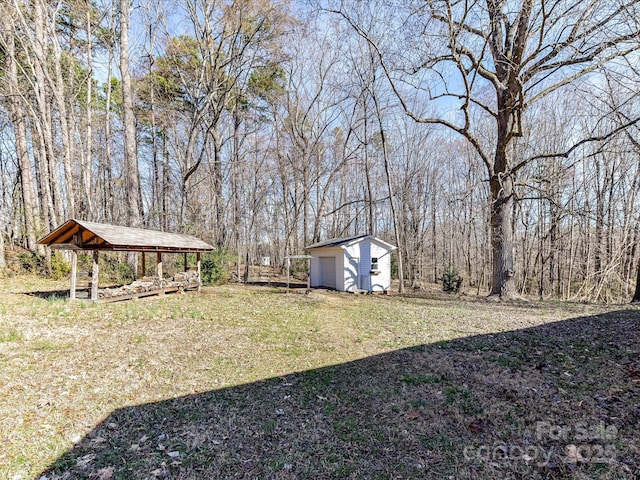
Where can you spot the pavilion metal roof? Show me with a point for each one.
(82, 235)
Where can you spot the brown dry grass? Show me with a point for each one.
(249, 382)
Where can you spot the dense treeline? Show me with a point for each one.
(497, 138)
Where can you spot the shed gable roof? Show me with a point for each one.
(79, 234)
(344, 241)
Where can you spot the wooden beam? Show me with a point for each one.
(144, 265)
(74, 268)
(61, 234)
(199, 272)
(159, 271)
(186, 266)
(94, 277)
(132, 296)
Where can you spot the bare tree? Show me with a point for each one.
(87, 157)
(17, 108)
(520, 52)
(131, 170)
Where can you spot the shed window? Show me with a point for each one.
(374, 263)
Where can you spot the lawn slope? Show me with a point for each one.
(248, 382)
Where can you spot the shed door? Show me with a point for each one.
(328, 272)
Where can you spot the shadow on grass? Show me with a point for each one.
(277, 284)
(56, 294)
(556, 401)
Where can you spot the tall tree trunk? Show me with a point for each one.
(501, 192)
(503, 282)
(43, 193)
(107, 193)
(131, 172)
(217, 182)
(44, 119)
(59, 95)
(306, 197)
(636, 295)
(434, 237)
(165, 183)
(235, 184)
(88, 155)
(3, 261)
(29, 202)
(56, 192)
(47, 199)
(157, 170)
(368, 193)
(392, 205)
(17, 114)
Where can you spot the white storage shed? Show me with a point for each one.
(351, 264)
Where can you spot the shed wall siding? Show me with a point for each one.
(351, 271)
(314, 270)
(350, 277)
(340, 271)
(365, 264)
(381, 281)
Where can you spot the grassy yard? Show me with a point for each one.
(251, 382)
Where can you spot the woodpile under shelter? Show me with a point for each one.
(79, 235)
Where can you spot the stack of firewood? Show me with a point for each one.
(186, 279)
(180, 281)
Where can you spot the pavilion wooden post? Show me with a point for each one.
(159, 272)
(94, 277)
(74, 268)
(144, 265)
(288, 272)
(198, 263)
(288, 264)
(186, 265)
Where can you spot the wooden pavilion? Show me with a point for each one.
(78, 235)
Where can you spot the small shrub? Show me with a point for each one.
(31, 262)
(216, 267)
(113, 267)
(299, 268)
(394, 264)
(59, 267)
(451, 280)
(124, 273)
(179, 261)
